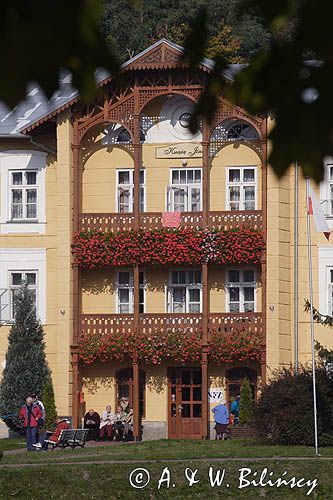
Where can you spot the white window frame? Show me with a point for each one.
(22, 260)
(24, 187)
(326, 195)
(325, 258)
(170, 190)
(241, 285)
(188, 286)
(22, 160)
(130, 287)
(241, 184)
(130, 186)
(17, 287)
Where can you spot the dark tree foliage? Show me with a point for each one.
(49, 403)
(26, 368)
(40, 37)
(284, 412)
(130, 27)
(246, 404)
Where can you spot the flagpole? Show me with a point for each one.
(311, 318)
(296, 270)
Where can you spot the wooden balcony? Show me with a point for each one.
(153, 220)
(108, 324)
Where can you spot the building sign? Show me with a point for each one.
(182, 150)
(215, 394)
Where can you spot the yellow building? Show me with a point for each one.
(208, 261)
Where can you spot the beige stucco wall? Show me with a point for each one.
(99, 181)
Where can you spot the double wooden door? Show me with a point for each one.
(184, 403)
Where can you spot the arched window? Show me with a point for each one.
(125, 137)
(124, 389)
(235, 377)
(242, 130)
(230, 130)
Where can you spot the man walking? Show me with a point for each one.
(29, 415)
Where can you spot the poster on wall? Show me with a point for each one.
(215, 394)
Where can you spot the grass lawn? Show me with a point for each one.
(112, 481)
(12, 443)
(170, 449)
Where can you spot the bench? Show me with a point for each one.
(69, 438)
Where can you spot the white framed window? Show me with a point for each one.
(326, 190)
(184, 293)
(125, 292)
(241, 290)
(184, 194)
(330, 292)
(22, 191)
(23, 195)
(125, 190)
(241, 188)
(19, 265)
(16, 280)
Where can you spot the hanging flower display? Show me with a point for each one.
(178, 346)
(97, 249)
(235, 346)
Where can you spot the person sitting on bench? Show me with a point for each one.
(106, 425)
(92, 421)
(128, 426)
(119, 421)
(62, 424)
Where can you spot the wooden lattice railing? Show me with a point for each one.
(108, 324)
(153, 220)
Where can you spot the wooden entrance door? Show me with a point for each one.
(184, 403)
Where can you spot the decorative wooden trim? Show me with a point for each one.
(153, 220)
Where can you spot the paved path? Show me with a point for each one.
(169, 460)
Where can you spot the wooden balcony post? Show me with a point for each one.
(137, 155)
(205, 172)
(75, 387)
(204, 396)
(205, 303)
(263, 260)
(136, 401)
(77, 188)
(136, 285)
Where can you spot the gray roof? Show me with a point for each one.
(36, 105)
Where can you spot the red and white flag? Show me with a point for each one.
(318, 215)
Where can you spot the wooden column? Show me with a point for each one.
(204, 396)
(136, 402)
(263, 260)
(76, 276)
(136, 270)
(205, 287)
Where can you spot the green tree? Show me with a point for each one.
(49, 403)
(225, 43)
(284, 412)
(26, 368)
(246, 403)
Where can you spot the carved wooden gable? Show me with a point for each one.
(162, 56)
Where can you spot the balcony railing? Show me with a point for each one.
(108, 324)
(153, 220)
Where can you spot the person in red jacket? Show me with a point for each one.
(62, 424)
(29, 415)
